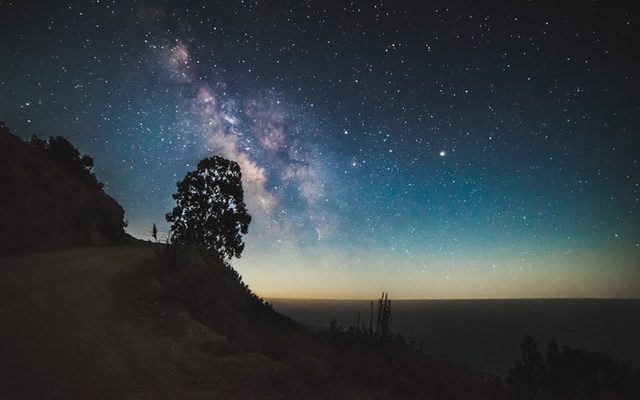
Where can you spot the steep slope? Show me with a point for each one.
(79, 324)
(47, 203)
(134, 322)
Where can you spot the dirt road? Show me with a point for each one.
(88, 324)
(59, 334)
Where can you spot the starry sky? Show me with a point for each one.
(431, 149)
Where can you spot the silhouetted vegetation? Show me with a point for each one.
(378, 333)
(373, 356)
(154, 232)
(369, 358)
(210, 208)
(215, 294)
(570, 373)
(51, 198)
(369, 355)
(62, 151)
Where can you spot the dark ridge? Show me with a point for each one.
(51, 199)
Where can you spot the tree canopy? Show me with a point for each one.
(210, 208)
(67, 156)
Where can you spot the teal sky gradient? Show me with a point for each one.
(430, 151)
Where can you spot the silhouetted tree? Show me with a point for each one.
(154, 232)
(62, 151)
(210, 208)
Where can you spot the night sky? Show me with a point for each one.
(429, 149)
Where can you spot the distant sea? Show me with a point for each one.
(486, 334)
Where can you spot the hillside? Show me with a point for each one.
(107, 317)
(132, 322)
(78, 324)
(51, 199)
(147, 321)
(154, 321)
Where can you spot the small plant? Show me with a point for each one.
(374, 334)
(383, 321)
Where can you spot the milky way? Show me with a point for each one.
(426, 150)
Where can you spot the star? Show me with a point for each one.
(349, 131)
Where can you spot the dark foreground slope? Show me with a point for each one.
(144, 322)
(147, 321)
(60, 336)
(50, 199)
(90, 323)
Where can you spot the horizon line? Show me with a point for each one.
(450, 298)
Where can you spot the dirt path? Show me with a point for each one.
(80, 324)
(59, 335)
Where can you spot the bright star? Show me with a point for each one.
(443, 153)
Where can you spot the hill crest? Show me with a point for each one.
(51, 199)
